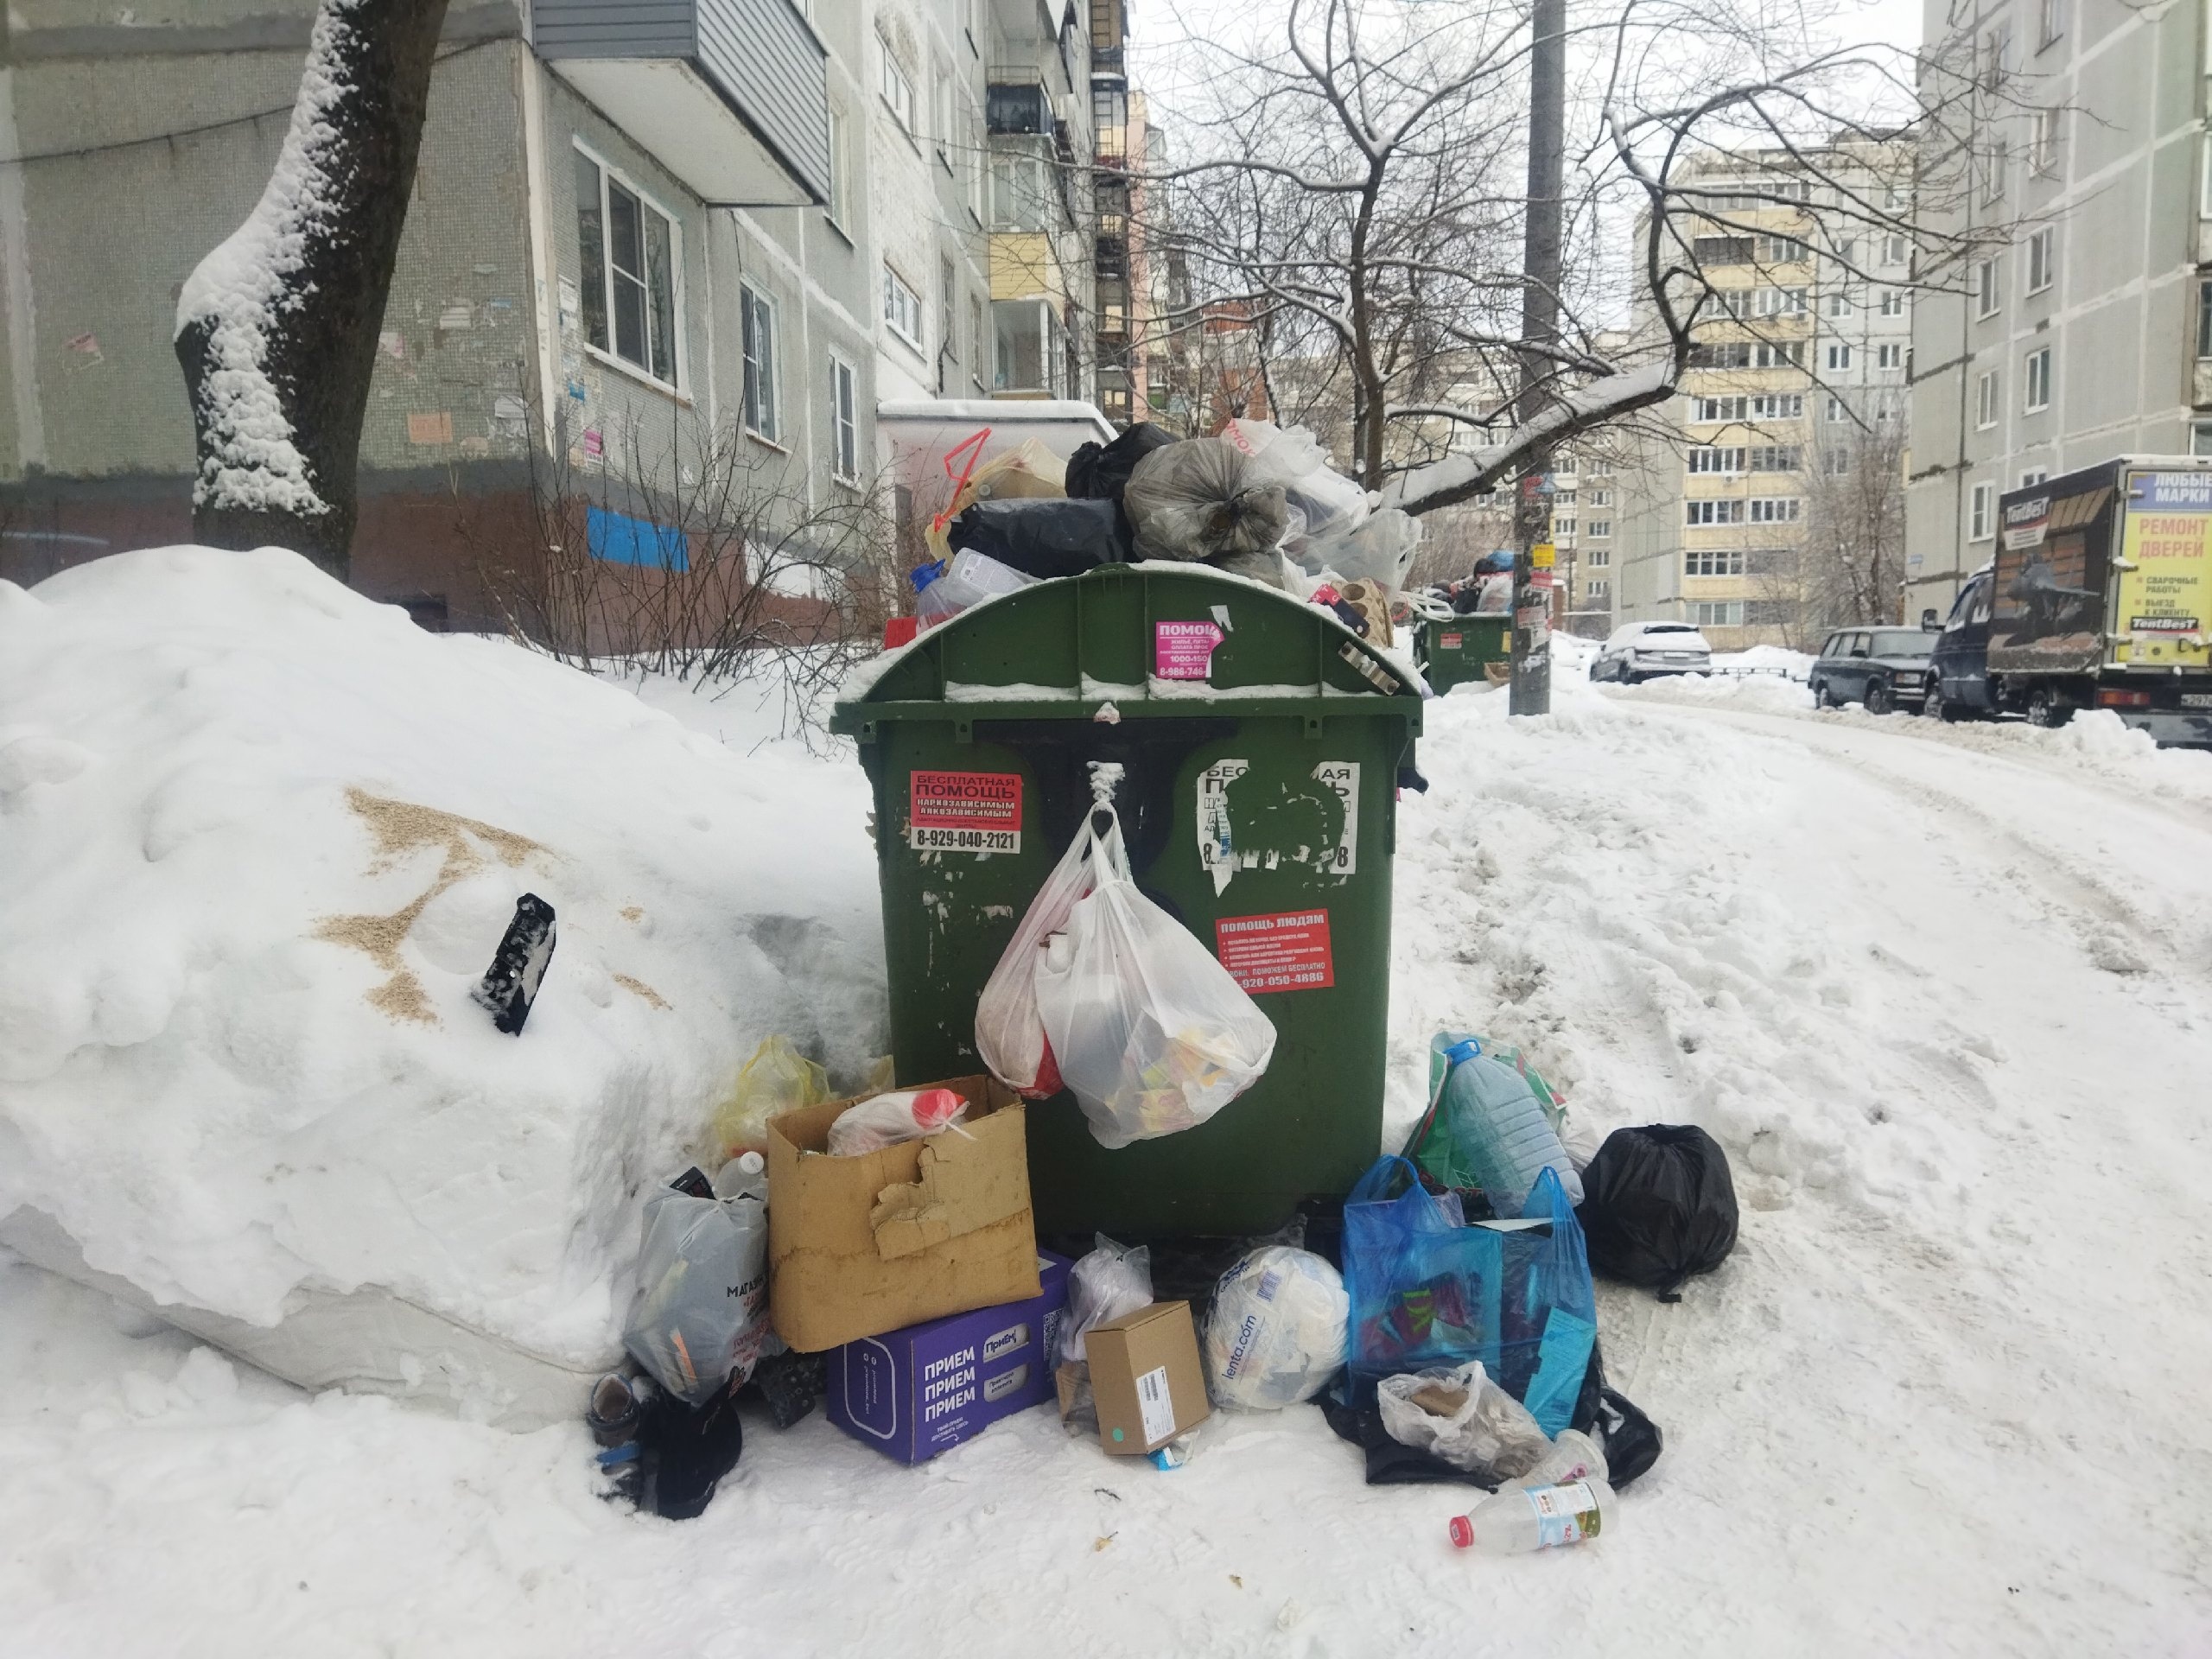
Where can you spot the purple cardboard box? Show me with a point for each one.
(915, 1393)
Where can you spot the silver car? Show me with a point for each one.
(1639, 651)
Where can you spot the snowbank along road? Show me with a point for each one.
(1942, 996)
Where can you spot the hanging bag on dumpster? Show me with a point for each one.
(1659, 1206)
(1009, 1032)
(1429, 1290)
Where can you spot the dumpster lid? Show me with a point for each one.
(1151, 639)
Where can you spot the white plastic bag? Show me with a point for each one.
(1009, 1033)
(885, 1120)
(1463, 1417)
(701, 1315)
(1112, 1281)
(1149, 1030)
(1276, 1332)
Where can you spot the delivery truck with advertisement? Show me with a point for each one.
(2099, 596)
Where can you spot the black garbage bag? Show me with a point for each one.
(1630, 1440)
(1043, 537)
(1100, 471)
(1658, 1205)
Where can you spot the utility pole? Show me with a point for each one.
(1532, 502)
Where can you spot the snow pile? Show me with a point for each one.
(1767, 693)
(1766, 659)
(259, 839)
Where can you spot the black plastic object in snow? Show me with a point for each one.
(1658, 1205)
(1101, 472)
(1043, 537)
(510, 986)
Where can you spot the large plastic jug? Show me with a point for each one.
(1497, 1124)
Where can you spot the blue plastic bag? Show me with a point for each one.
(1428, 1289)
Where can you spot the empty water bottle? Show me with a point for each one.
(1574, 1456)
(1519, 1521)
(1498, 1132)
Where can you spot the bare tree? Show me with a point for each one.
(277, 330)
(1853, 560)
(1359, 182)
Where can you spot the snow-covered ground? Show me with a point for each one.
(1942, 993)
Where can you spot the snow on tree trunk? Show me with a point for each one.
(277, 330)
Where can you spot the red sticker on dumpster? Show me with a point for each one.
(1450, 641)
(964, 811)
(1289, 952)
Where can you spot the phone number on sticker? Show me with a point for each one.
(964, 840)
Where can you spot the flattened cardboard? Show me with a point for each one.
(860, 1246)
(1157, 1337)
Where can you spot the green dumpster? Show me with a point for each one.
(1262, 742)
(1455, 650)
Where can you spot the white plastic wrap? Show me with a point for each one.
(1463, 1417)
(1112, 1281)
(885, 1120)
(1276, 1332)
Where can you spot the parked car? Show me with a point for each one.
(1885, 669)
(1636, 651)
(1959, 686)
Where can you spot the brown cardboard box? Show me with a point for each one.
(1145, 1379)
(860, 1246)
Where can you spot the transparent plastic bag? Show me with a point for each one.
(1321, 503)
(1463, 1417)
(701, 1314)
(776, 1080)
(1009, 1032)
(1028, 472)
(1275, 1333)
(886, 1120)
(1109, 1282)
(1147, 1029)
(1197, 499)
(1380, 547)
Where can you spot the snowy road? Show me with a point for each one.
(1945, 996)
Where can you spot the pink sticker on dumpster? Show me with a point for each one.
(1183, 650)
(1277, 953)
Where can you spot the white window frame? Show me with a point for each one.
(1839, 304)
(894, 286)
(840, 207)
(1838, 356)
(1778, 406)
(760, 387)
(845, 421)
(2051, 22)
(1711, 563)
(2043, 263)
(1981, 512)
(1986, 299)
(1598, 588)
(1893, 302)
(1987, 400)
(2035, 381)
(1717, 612)
(1706, 460)
(1836, 413)
(2042, 142)
(1719, 408)
(896, 87)
(940, 117)
(1889, 357)
(1835, 463)
(1893, 249)
(2033, 476)
(610, 173)
(1775, 509)
(1711, 511)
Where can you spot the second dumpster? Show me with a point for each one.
(1260, 742)
(1458, 650)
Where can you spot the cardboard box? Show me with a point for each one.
(912, 1394)
(860, 1246)
(1145, 1379)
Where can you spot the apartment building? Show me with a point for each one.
(639, 235)
(2085, 332)
(1800, 377)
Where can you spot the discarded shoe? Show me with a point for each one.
(690, 1448)
(615, 1416)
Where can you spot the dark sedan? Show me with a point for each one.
(1885, 669)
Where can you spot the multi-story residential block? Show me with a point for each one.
(1801, 375)
(2085, 330)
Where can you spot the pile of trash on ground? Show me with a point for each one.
(1256, 500)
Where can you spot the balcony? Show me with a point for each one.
(1018, 107)
(731, 96)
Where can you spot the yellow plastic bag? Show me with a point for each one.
(776, 1079)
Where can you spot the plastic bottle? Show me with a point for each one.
(1519, 1521)
(745, 1176)
(886, 1120)
(1498, 1124)
(1574, 1456)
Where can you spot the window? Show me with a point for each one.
(2033, 476)
(1775, 458)
(1601, 498)
(844, 423)
(1562, 527)
(2204, 172)
(947, 293)
(1893, 302)
(1835, 462)
(1979, 501)
(1778, 406)
(1890, 356)
(2042, 143)
(2200, 438)
(1985, 401)
(1839, 354)
(758, 317)
(1782, 251)
(1597, 592)
(1776, 355)
(941, 116)
(1775, 509)
(1727, 354)
(1563, 464)
(1718, 613)
(1837, 412)
(2042, 268)
(2051, 22)
(1598, 557)
(1779, 302)
(1996, 57)
(1563, 499)
(1893, 250)
(1705, 458)
(978, 356)
(1839, 304)
(627, 248)
(1718, 409)
(1988, 152)
(2038, 382)
(1713, 562)
(902, 308)
(897, 86)
(1713, 512)
(1985, 288)
(2204, 319)
(1721, 250)
(841, 168)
